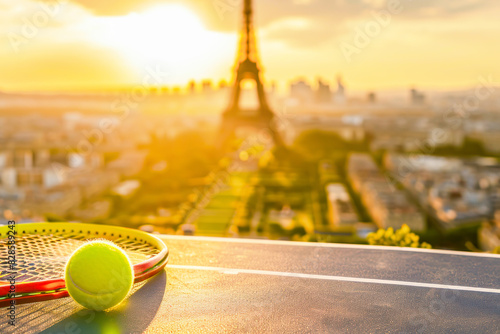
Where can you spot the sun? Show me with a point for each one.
(166, 34)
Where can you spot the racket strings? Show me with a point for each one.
(43, 256)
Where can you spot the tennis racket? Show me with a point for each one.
(42, 250)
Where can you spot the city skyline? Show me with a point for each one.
(88, 45)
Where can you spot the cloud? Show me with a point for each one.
(299, 32)
(442, 8)
(225, 15)
(331, 19)
(48, 44)
(109, 8)
(29, 23)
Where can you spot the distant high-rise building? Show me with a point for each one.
(323, 94)
(416, 97)
(206, 86)
(301, 91)
(192, 87)
(372, 97)
(340, 94)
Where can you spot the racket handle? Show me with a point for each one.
(27, 287)
(35, 298)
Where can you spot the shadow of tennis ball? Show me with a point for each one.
(134, 315)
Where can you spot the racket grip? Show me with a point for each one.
(38, 298)
(26, 287)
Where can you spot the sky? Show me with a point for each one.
(55, 45)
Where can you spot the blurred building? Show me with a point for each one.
(54, 164)
(453, 191)
(387, 205)
(207, 87)
(129, 163)
(411, 133)
(340, 96)
(371, 97)
(341, 211)
(416, 97)
(301, 91)
(323, 93)
(192, 87)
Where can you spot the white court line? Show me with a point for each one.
(335, 278)
(326, 245)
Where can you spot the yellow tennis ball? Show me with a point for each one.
(99, 275)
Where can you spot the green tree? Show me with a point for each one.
(53, 218)
(319, 144)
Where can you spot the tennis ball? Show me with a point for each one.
(99, 275)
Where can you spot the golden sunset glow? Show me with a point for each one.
(348, 148)
(165, 34)
(81, 44)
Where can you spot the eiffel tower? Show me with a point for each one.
(247, 65)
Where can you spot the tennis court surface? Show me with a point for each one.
(214, 285)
